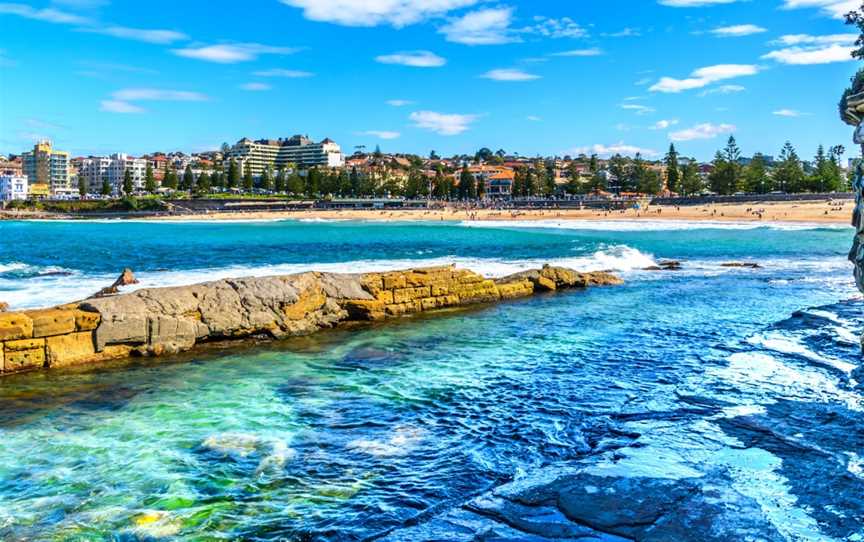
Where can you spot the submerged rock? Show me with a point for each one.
(747, 265)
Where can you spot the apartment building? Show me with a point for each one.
(13, 187)
(47, 169)
(276, 153)
(94, 169)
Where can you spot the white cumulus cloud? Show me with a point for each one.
(788, 113)
(415, 59)
(230, 53)
(399, 103)
(702, 131)
(397, 13)
(483, 27)
(703, 77)
(738, 30)
(832, 8)
(803, 49)
(382, 134)
(723, 89)
(448, 124)
(281, 72)
(119, 106)
(509, 75)
(122, 100)
(255, 87)
(610, 150)
(639, 109)
(693, 3)
(664, 124)
(593, 51)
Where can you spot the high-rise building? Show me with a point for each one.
(277, 153)
(95, 169)
(47, 170)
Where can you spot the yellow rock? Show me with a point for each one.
(24, 344)
(86, 321)
(385, 296)
(70, 349)
(546, 284)
(20, 360)
(393, 281)
(15, 325)
(361, 309)
(310, 301)
(404, 295)
(49, 322)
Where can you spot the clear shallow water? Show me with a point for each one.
(352, 434)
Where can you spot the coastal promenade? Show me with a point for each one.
(164, 321)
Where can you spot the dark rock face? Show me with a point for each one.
(579, 505)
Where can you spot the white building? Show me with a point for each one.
(97, 168)
(13, 187)
(278, 153)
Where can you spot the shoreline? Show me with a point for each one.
(822, 212)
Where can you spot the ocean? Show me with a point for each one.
(743, 379)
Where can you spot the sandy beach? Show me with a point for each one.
(834, 212)
(837, 212)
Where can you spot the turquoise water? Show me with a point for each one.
(350, 435)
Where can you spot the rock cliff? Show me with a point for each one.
(160, 321)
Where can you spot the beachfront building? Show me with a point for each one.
(95, 169)
(13, 187)
(299, 150)
(47, 170)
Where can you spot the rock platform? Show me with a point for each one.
(164, 321)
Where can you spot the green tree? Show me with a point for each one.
(673, 173)
(204, 183)
(188, 181)
(354, 180)
(789, 175)
(755, 178)
(128, 186)
(650, 182)
(691, 182)
(233, 174)
(467, 185)
(106, 186)
(344, 183)
(248, 181)
(82, 187)
(856, 18)
(217, 179)
(149, 180)
(518, 187)
(618, 170)
(549, 186)
(170, 180)
(295, 184)
(313, 182)
(266, 179)
(280, 183)
(414, 184)
(529, 185)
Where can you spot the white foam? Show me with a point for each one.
(649, 225)
(789, 345)
(55, 290)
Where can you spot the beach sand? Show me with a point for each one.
(837, 212)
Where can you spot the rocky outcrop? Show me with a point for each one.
(160, 321)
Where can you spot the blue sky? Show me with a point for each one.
(537, 77)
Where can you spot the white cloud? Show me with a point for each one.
(788, 113)
(702, 131)
(664, 124)
(87, 24)
(161, 37)
(802, 49)
(533, 118)
(723, 89)
(230, 53)
(807, 39)
(255, 87)
(738, 30)
(154, 94)
(704, 77)
(48, 15)
(397, 13)
(812, 55)
(832, 8)
(442, 123)
(483, 27)
(549, 27)
(693, 3)
(624, 33)
(399, 103)
(415, 59)
(509, 75)
(279, 72)
(593, 51)
(639, 109)
(382, 134)
(609, 150)
(119, 106)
